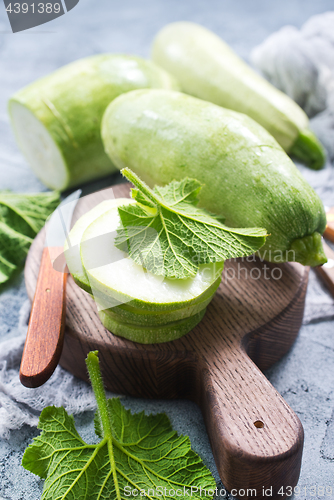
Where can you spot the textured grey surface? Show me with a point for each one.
(305, 376)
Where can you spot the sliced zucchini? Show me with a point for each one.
(139, 317)
(72, 245)
(114, 276)
(151, 334)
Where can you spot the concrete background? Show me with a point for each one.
(305, 377)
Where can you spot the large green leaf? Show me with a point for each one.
(21, 217)
(169, 235)
(14, 247)
(136, 452)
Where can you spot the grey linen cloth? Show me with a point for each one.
(301, 63)
(20, 405)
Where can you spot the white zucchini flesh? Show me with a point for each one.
(122, 280)
(72, 245)
(56, 119)
(39, 147)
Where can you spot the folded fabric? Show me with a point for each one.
(20, 405)
(301, 62)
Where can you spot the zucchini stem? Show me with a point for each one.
(309, 250)
(93, 365)
(309, 150)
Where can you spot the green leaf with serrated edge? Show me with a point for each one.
(170, 236)
(27, 213)
(136, 452)
(21, 217)
(14, 247)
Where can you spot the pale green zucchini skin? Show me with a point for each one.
(206, 67)
(151, 334)
(129, 313)
(70, 103)
(248, 178)
(139, 317)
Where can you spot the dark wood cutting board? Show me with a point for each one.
(251, 323)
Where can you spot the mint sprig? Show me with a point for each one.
(170, 236)
(136, 452)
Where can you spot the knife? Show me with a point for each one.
(326, 272)
(329, 231)
(45, 334)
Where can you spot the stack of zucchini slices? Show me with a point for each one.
(132, 302)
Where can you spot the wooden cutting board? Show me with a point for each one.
(251, 323)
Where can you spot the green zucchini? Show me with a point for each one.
(207, 68)
(248, 178)
(57, 119)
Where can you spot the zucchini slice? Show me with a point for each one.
(151, 334)
(116, 279)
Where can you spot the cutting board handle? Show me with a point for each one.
(256, 438)
(45, 334)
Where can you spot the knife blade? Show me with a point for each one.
(45, 334)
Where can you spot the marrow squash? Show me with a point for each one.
(206, 67)
(56, 120)
(248, 178)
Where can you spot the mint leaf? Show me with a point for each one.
(136, 452)
(21, 217)
(170, 236)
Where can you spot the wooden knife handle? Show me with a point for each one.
(256, 438)
(45, 334)
(329, 231)
(326, 272)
